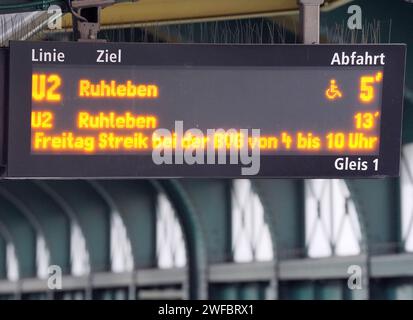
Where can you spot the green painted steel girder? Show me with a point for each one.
(211, 199)
(283, 202)
(23, 235)
(193, 234)
(135, 202)
(93, 215)
(5, 239)
(378, 203)
(54, 223)
(3, 246)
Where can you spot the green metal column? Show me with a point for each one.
(193, 234)
(5, 240)
(93, 215)
(55, 224)
(3, 248)
(378, 204)
(211, 200)
(135, 202)
(283, 202)
(378, 201)
(284, 207)
(24, 237)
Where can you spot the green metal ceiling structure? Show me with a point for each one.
(49, 208)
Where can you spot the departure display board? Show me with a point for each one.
(166, 110)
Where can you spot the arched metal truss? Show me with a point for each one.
(19, 219)
(193, 234)
(66, 210)
(203, 208)
(6, 241)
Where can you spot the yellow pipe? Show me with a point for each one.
(149, 12)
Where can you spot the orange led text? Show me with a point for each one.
(113, 89)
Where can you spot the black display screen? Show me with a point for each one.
(117, 109)
(106, 110)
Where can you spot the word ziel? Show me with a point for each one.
(105, 56)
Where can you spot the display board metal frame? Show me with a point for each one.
(22, 163)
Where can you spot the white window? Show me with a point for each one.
(170, 244)
(120, 246)
(332, 225)
(12, 264)
(42, 257)
(79, 254)
(251, 238)
(407, 196)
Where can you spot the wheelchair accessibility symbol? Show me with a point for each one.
(333, 91)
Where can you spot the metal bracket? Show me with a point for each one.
(310, 20)
(86, 16)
